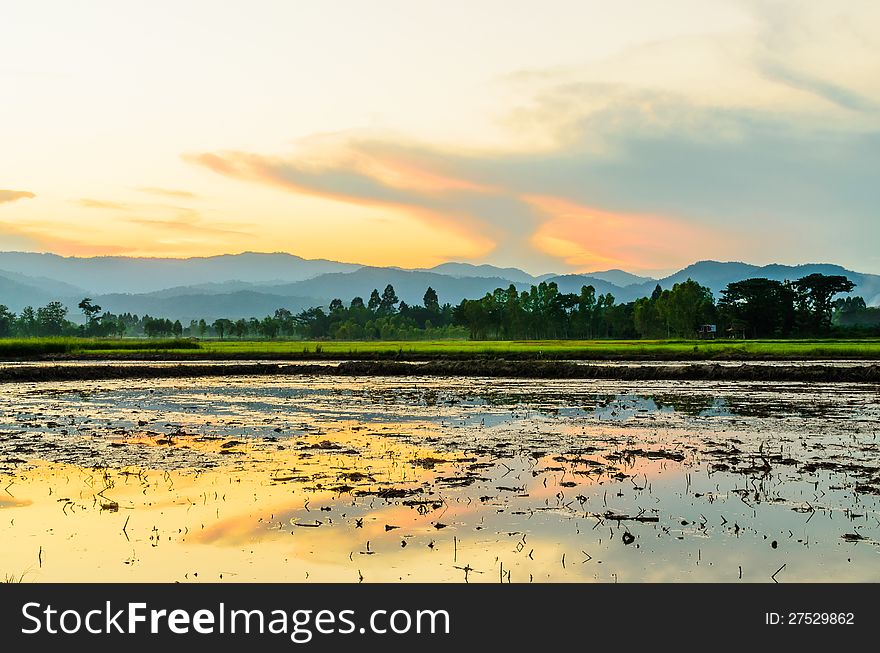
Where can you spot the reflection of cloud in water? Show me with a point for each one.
(12, 502)
(421, 479)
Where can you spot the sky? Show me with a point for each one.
(548, 135)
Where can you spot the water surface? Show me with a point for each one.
(422, 479)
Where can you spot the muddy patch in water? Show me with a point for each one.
(426, 479)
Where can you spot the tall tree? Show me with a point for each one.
(91, 312)
(222, 326)
(269, 327)
(26, 324)
(389, 300)
(656, 293)
(815, 292)
(336, 305)
(51, 319)
(647, 319)
(313, 323)
(586, 306)
(7, 321)
(374, 301)
(690, 305)
(763, 307)
(430, 301)
(286, 323)
(89, 309)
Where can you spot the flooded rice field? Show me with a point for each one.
(362, 479)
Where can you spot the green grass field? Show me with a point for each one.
(42, 348)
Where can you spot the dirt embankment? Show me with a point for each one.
(444, 368)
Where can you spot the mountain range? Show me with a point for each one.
(255, 284)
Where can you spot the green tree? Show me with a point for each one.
(647, 320)
(222, 326)
(388, 301)
(26, 324)
(430, 301)
(656, 293)
(7, 322)
(764, 308)
(374, 301)
(854, 312)
(690, 305)
(91, 311)
(604, 303)
(472, 314)
(312, 323)
(513, 310)
(269, 327)
(285, 321)
(815, 293)
(586, 307)
(51, 319)
(155, 327)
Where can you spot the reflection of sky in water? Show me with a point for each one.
(422, 479)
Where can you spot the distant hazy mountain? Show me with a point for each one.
(220, 288)
(572, 283)
(204, 306)
(619, 277)
(15, 294)
(19, 290)
(247, 285)
(51, 286)
(410, 285)
(483, 271)
(117, 274)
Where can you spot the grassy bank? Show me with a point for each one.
(48, 348)
(36, 348)
(558, 349)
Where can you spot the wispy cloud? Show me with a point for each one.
(827, 90)
(371, 173)
(168, 192)
(101, 204)
(826, 50)
(522, 205)
(13, 195)
(585, 237)
(184, 220)
(45, 237)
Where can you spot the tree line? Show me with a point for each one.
(381, 317)
(753, 308)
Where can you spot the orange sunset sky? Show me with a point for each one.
(553, 135)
